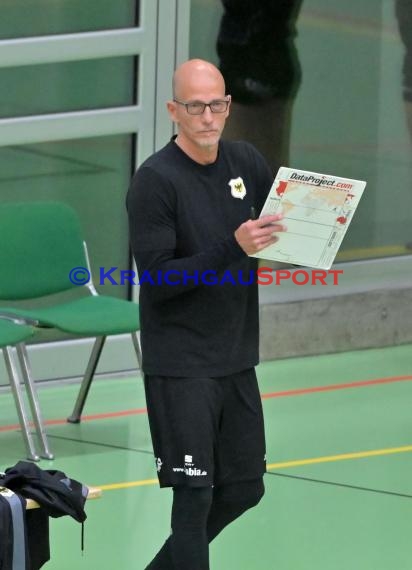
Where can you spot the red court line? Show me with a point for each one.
(84, 418)
(284, 393)
(331, 387)
(10, 427)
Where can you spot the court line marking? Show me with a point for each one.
(88, 418)
(282, 465)
(340, 457)
(99, 444)
(342, 485)
(266, 396)
(128, 485)
(332, 387)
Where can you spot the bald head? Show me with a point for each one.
(199, 86)
(197, 75)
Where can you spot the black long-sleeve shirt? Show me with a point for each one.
(182, 218)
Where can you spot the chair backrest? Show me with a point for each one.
(40, 243)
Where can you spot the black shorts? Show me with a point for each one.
(206, 431)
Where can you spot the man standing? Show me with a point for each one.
(189, 209)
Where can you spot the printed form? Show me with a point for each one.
(317, 210)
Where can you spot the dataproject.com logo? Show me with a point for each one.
(262, 276)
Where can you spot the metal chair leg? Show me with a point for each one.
(138, 351)
(19, 400)
(75, 416)
(34, 401)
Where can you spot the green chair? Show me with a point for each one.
(14, 334)
(44, 245)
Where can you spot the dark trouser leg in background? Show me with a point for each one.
(198, 516)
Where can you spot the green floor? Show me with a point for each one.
(325, 508)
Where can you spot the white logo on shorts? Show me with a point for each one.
(189, 469)
(159, 464)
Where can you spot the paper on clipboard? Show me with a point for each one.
(317, 209)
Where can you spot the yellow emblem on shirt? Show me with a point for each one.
(237, 188)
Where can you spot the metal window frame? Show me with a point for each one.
(161, 41)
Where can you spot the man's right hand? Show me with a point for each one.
(255, 235)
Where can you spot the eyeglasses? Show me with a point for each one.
(198, 108)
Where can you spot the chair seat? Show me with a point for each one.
(12, 333)
(89, 316)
